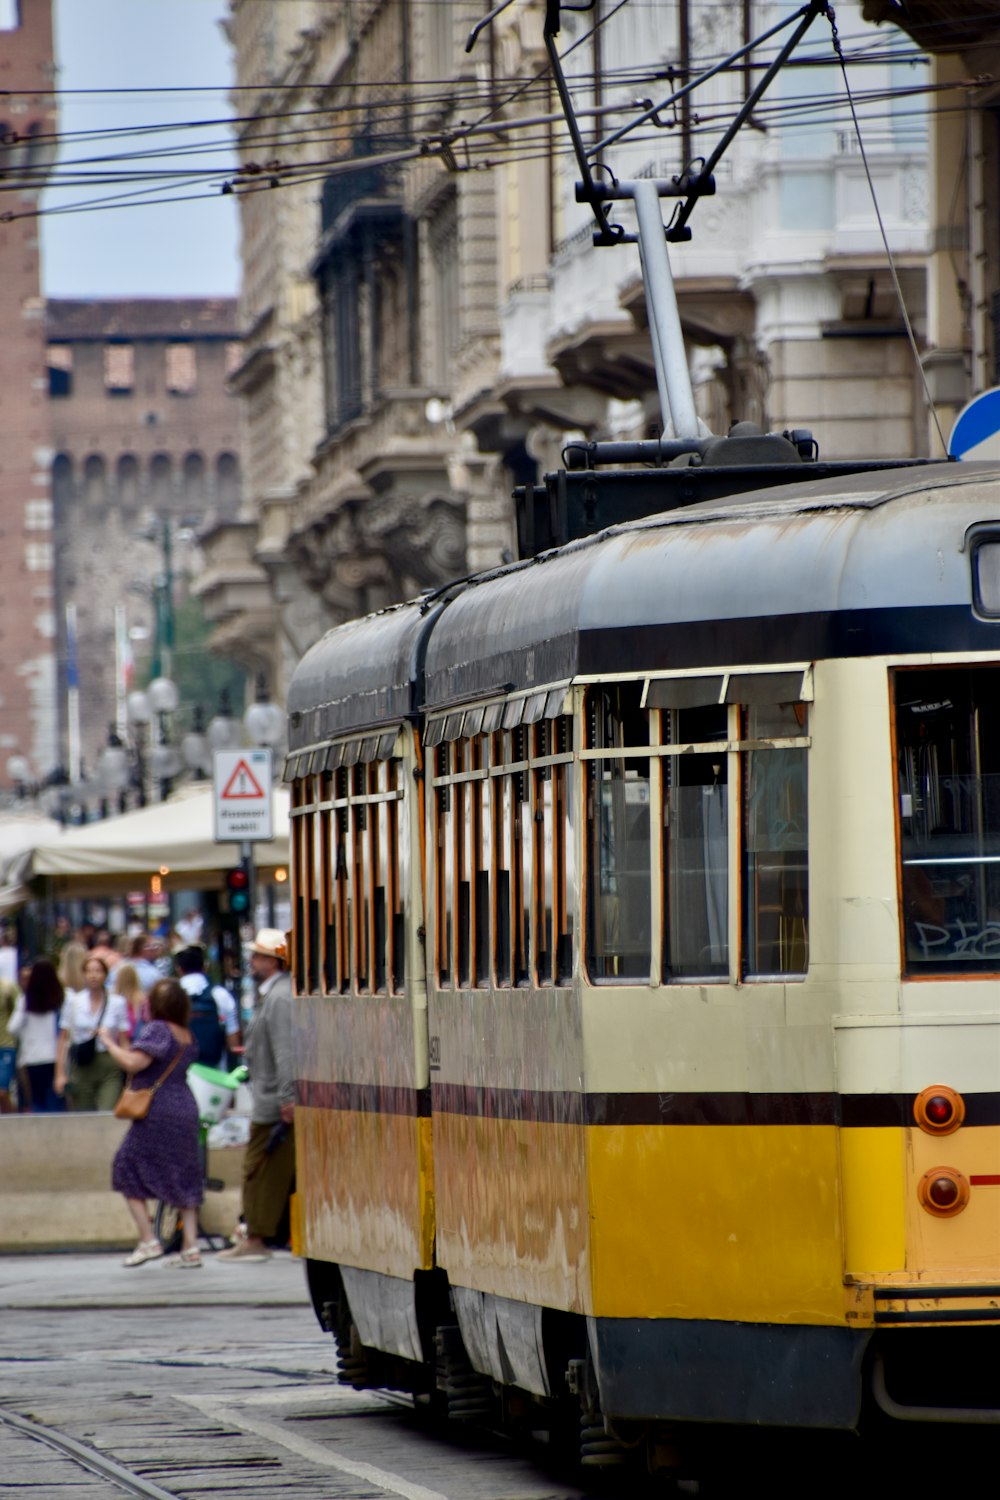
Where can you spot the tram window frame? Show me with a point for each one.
(703, 764)
(948, 832)
(484, 835)
(506, 864)
(346, 826)
(329, 844)
(340, 817)
(774, 849)
(359, 882)
(397, 864)
(444, 896)
(299, 802)
(617, 954)
(733, 746)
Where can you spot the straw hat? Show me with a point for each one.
(271, 943)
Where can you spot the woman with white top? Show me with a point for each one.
(84, 1067)
(35, 1023)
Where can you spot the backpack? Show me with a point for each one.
(206, 1026)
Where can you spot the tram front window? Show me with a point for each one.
(948, 739)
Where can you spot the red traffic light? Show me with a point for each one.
(238, 887)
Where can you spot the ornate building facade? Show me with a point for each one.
(963, 318)
(427, 317)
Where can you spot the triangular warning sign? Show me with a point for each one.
(242, 783)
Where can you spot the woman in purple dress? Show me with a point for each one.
(159, 1156)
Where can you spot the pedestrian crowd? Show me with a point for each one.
(54, 1012)
(77, 1026)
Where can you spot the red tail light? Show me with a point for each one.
(943, 1191)
(938, 1109)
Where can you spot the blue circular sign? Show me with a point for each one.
(976, 433)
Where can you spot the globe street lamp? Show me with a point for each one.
(223, 730)
(264, 721)
(194, 747)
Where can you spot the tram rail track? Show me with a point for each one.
(126, 1480)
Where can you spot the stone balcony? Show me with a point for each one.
(379, 521)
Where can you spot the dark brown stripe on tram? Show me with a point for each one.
(710, 1109)
(567, 1107)
(541, 1106)
(364, 1098)
(558, 1107)
(870, 1110)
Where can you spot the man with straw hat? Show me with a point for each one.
(269, 1164)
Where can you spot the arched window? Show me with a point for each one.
(128, 482)
(227, 483)
(62, 484)
(160, 476)
(194, 480)
(95, 481)
(39, 151)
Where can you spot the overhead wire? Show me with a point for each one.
(314, 128)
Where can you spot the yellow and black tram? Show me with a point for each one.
(647, 954)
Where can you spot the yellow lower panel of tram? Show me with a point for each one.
(511, 1199)
(734, 1222)
(365, 1186)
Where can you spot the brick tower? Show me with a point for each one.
(28, 707)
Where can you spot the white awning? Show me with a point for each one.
(173, 839)
(23, 830)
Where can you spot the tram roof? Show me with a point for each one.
(824, 568)
(359, 675)
(843, 567)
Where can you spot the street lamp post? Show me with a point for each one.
(139, 714)
(113, 772)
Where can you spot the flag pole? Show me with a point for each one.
(72, 696)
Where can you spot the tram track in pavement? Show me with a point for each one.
(247, 1441)
(87, 1458)
(243, 1435)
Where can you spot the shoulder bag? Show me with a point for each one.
(82, 1054)
(133, 1103)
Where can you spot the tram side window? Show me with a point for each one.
(551, 919)
(396, 868)
(299, 877)
(775, 842)
(310, 866)
(329, 864)
(341, 902)
(511, 811)
(444, 808)
(948, 745)
(618, 835)
(380, 875)
(317, 884)
(696, 846)
(483, 856)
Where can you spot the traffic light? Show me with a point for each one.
(238, 887)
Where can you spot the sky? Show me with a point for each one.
(166, 250)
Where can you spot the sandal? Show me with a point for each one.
(145, 1250)
(188, 1260)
